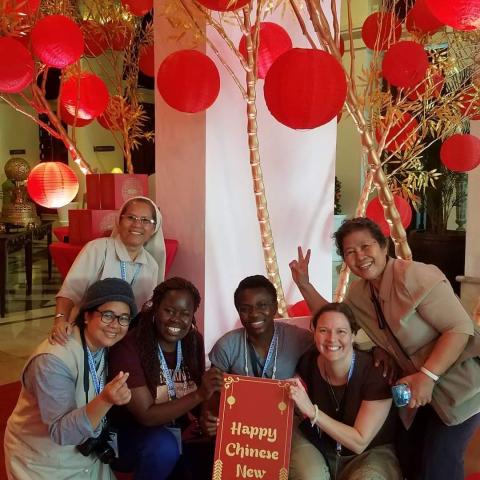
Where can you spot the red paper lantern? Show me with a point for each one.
(405, 64)
(119, 35)
(111, 119)
(57, 41)
(184, 91)
(223, 5)
(95, 38)
(460, 14)
(146, 61)
(305, 88)
(473, 476)
(401, 135)
(138, 7)
(375, 213)
(25, 7)
(52, 184)
(299, 309)
(469, 103)
(431, 87)
(420, 19)
(461, 152)
(274, 40)
(84, 94)
(16, 66)
(70, 119)
(380, 30)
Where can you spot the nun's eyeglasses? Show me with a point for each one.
(142, 220)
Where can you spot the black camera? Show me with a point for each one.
(100, 446)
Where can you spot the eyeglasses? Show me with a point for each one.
(143, 220)
(107, 317)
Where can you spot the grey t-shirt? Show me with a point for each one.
(229, 355)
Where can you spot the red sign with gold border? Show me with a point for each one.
(253, 440)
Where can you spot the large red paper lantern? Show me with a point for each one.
(305, 88)
(299, 309)
(119, 35)
(184, 91)
(459, 14)
(461, 152)
(52, 184)
(430, 88)
(71, 120)
(420, 19)
(223, 5)
(405, 64)
(469, 103)
(273, 41)
(138, 7)
(84, 94)
(57, 41)
(381, 29)
(16, 66)
(375, 213)
(146, 61)
(401, 135)
(95, 38)
(112, 118)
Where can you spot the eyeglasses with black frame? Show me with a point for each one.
(143, 220)
(107, 317)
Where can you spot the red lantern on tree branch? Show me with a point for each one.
(138, 7)
(223, 5)
(57, 41)
(184, 91)
(305, 88)
(376, 213)
(461, 153)
(71, 120)
(380, 30)
(460, 14)
(299, 309)
(95, 38)
(16, 66)
(420, 19)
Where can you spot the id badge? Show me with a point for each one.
(177, 433)
(113, 441)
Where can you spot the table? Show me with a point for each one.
(13, 240)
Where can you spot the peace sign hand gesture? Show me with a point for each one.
(299, 268)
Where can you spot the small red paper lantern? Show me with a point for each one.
(84, 94)
(146, 61)
(138, 7)
(57, 41)
(16, 67)
(305, 88)
(119, 35)
(186, 92)
(274, 40)
(375, 213)
(405, 64)
(431, 87)
(28, 7)
(111, 119)
(380, 30)
(52, 184)
(223, 5)
(460, 14)
(70, 119)
(420, 19)
(401, 135)
(95, 38)
(469, 103)
(299, 309)
(461, 152)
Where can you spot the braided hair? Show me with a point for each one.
(146, 336)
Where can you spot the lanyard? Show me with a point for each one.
(272, 354)
(98, 383)
(170, 379)
(123, 272)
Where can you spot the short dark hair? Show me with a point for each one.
(340, 308)
(253, 282)
(355, 225)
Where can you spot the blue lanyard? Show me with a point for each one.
(98, 383)
(123, 272)
(271, 349)
(169, 379)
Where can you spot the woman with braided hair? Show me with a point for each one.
(165, 357)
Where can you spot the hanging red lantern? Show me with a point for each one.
(405, 64)
(24, 7)
(223, 5)
(376, 213)
(138, 7)
(57, 41)
(112, 118)
(146, 61)
(184, 91)
(299, 309)
(469, 103)
(461, 152)
(402, 134)
(85, 95)
(273, 41)
(52, 184)
(70, 119)
(430, 88)
(420, 19)
(95, 38)
(460, 14)
(305, 88)
(16, 67)
(381, 29)
(119, 35)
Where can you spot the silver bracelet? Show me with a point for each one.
(313, 421)
(430, 374)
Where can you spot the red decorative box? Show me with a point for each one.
(93, 191)
(85, 225)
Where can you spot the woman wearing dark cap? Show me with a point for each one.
(58, 428)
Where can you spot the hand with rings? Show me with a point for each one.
(421, 387)
(60, 332)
